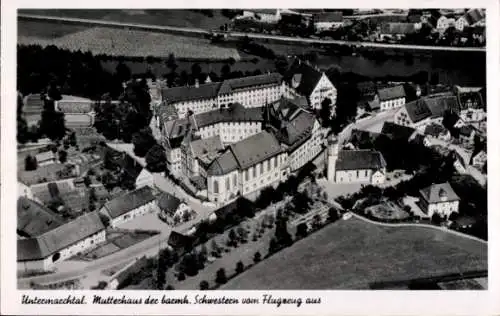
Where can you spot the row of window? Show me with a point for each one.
(256, 171)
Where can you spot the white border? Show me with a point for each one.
(334, 302)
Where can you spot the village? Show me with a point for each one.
(188, 186)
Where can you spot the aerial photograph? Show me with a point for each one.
(252, 149)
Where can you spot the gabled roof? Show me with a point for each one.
(417, 110)
(186, 93)
(440, 104)
(34, 219)
(179, 241)
(168, 203)
(307, 76)
(470, 98)
(202, 147)
(398, 28)
(224, 164)
(396, 132)
(391, 93)
(435, 130)
(129, 201)
(131, 167)
(60, 238)
(255, 149)
(433, 193)
(473, 16)
(244, 83)
(466, 130)
(46, 155)
(359, 160)
(293, 133)
(236, 113)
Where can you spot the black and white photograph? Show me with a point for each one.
(220, 149)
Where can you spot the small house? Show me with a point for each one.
(391, 97)
(171, 207)
(45, 158)
(439, 199)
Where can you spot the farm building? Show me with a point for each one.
(130, 205)
(34, 219)
(42, 252)
(391, 97)
(171, 207)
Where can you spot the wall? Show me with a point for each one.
(231, 132)
(35, 265)
(307, 151)
(443, 208)
(353, 176)
(391, 104)
(142, 210)
(378, 177)
(82, 245)
(324, 89)
(224, 187)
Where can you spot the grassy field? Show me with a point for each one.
(131, 43)
(180, 18)
(352, 254)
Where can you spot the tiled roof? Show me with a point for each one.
(233, 85)
(60, 237)
(168, 203)
(202, 147)
(34, 219)
(293, 133)
(470, 99)
(396, 132)
(391, 93)
(433, 193)
(47, 155)
(129, 201)
(237, 113)
(179, 241)
(302, 77)
(473, 16)
(359, 160)
(187, 93)
(417, 110)
(255, 149)
(396, 28)
(33, 103)
(176, 130)
(223, 164)
(438, 105)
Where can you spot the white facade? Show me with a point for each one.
(183, 207)
(324, 89)
(472, 115)
(390, 104)
(24, 191)
(308, 150)
(224, 188)
(140, 211)
(444, 208)
(360, 176)
(174, 161)
(443, 23)
(230, 132)
(324, 26)
(45, 264)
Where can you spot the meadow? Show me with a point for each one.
(352, 254)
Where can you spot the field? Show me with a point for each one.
(180, 18)
(41, 174)
(352, 254)
(130, 43)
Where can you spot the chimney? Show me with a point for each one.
(196, 83)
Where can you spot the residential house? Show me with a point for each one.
(246, 167)
(262, 15)
(302, 79)
(437, 131)
(34, 219)
(471, 18)
(328, 21)
(40, 253)
(391, 97)
(129, 205)
(397, 30)
(439, 199)
(252, 91)
(173, 134)
(355, 166)
(459, 162)
(419, 113)
(171, 207)
(443, 23)
(133, 170)
(45, 158)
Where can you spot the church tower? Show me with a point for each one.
(333, 150)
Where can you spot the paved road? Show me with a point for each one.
(158, 28)
(372, 123)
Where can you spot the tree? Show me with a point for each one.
(123, 72)
(240, 267)
(232, 238)
(281, 64)
(171, 62)
(301, 231)
(436, 219)
(225, 71)
(181, 276)
(215, 248)
(317, 222)
(196, 70)
(63, 155)
(257, 257)
(72, 139)
(325, 112)
(204, 285)
(143, 141)
(155, 159)
(30, 163)
(273, 245)
(87, 181)
(242, 233)
(104, 219)
(160, 274)
(333, 214)
(220, 277)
